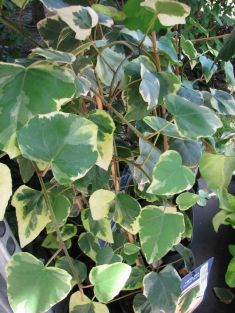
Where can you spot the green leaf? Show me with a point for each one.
(22, 95)
(163, 289)
(192, 95)
(230, 274)
(88, 243)
(148, 158)
(79, 267)
(130, 248)
(170, 176)
(61, 207)
(51, 242)
(198, 26)
(222, 102)
(31, 212)
(54, 55)
(142, 305)
(189, 150)
(68, 231)
(208, 67)
(100, 203)
(136, 106)
(217, 170)
(186, 200)
(5, 188)
(20, 3)
(189, 51)
(117, 15)
(66, 141)
(193, 121)
(224, 295)
(228, 48)
(56, 34)
(187, 255)
(159, 231)
(107, 63)
(26, 169)
(232, 250)
(42, 286)
(82, 86)
(127, 211)
(106, 256)
(82, 304)
(161, 125)
(99, 228)
(135, 281)
(108, 280)
(150, 15)
(166, 47)
(188, 227)
(80, 19)
(149, 87)
(230, 78)
(106, 128)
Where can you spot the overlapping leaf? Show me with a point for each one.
(5, 188)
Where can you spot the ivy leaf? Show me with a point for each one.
(189, 51)
(166, 47)
(130, 248)
(189, 150)
(82, 304)
(161, 125)
(100, 202)
(107, 63)
(106, 255)
(66, 141)
(54, 55)
(224, 295)
(228, 48)
(79, 267)
(163, 289)
(149, 87)
(193, 121)
(88, 243)
(26, 168)
(106, 128)
(217, 170)
(230, 274)
(222, 102)
(136, 106)
(68, 231)
(29, 97)
(208, 67)
(159, 231)
(80, 19)
(56, 34)
(99, 228)
(5, 188)
(148, 158)
(230, 78)
(20, 3)
(31, 212)
(231, 249)
(117, 15)
(108, 280)
(186, 200)
(42, 286)
(127, 211)
(170, 176)
(83, 86)
(142, 305)
(135, 281)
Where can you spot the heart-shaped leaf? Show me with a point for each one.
(193, 121)
(189, 150)
(230, 274)
(106, 256)
(159, 231)
(100, 202)
(23, 96)
(186, 200)
(31, 212)
(54, 55)
(163, 289)
(5, 188)
(66, 141)
(170, 176)
(223, 102)
(106, 129)
(80, 19)
(82, 304)
(109, 280)
(26, 276)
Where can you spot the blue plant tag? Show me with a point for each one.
(193, 287)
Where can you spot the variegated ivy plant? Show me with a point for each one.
(102, 111)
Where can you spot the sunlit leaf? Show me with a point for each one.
(5, 188)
